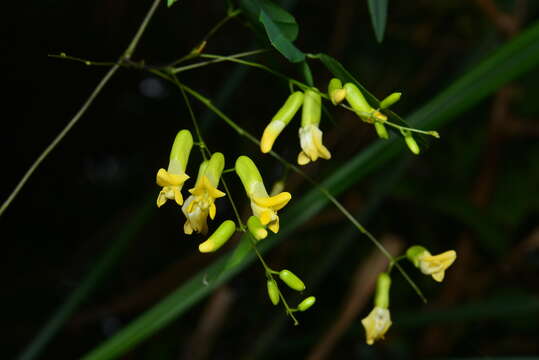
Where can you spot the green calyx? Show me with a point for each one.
(381, 295)
(413, 253)
(179, 154)
(248, 173)
(312, 108)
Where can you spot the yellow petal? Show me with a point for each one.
(276, 202)
(164, 178)
(187, 228)
(213, 210)
(161, 199)
(270, 134)
(178, 196)
(303, 159)
(265, 217)
(274, 226)
(439, 276)
(191, 206)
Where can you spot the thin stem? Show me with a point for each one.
(58, 138)
(256, 65)
(231, 14)
(133, 44)
(197, 50)
(84, 61)
(217, 59)
(127, 54)
(202, 144)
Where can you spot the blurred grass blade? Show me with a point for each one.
(100, 269)
(511, 60)
(378, 12)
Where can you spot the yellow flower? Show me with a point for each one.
(310, 138)
(436, 265)
(172, 179)
(201, 203)
(265, 207)
(376, 324)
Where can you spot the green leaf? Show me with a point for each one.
(378, 12)
(513, 59)
(279, 40)
(170, 2)
(282, 18)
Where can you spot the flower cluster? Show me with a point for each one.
(201, 203)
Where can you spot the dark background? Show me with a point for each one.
(474, 190)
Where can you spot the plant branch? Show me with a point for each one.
(126, 56)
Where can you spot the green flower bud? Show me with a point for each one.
(290, 107)
(273, 292)
(280, 120)
(381, 130)
(381, 296)
(390, 100)
(181, 148)
(219, 237)
(306, 303)
(256, 228)
(312, 108)
(291, 280)
(356, 99)
(335, 91)
(412, 145)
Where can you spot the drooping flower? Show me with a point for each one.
(265, 207)
(310, 135)
(201, 202)
(173, 178)
(378, 321)
(434, 265)
(376, 324)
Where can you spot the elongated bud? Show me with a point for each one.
(291, 280)
(256, 228)
(248, 173)
(336, 92)
(179, 155)
(356, 99)
(273, 292)
(412, 145)
(312, 108)
(280, 120)
(381, 296)
(306, 303)
(219, 237)
(381, 130)
(414, 253)
(390, 100)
